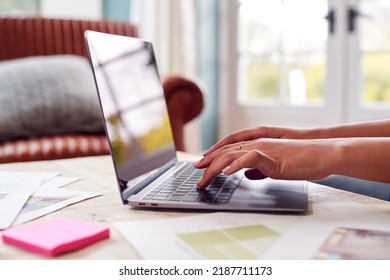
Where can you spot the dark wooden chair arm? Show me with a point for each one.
(185, 100)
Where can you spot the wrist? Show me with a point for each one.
(329, 157)
(337, 156)
(302, 133)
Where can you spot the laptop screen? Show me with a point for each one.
(133, 104)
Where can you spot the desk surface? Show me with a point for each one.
(98, 176)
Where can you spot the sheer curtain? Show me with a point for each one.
(171, 26)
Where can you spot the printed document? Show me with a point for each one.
(14, 192)
(339, 229)
(25, 196)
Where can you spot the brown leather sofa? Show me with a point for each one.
(34, 36)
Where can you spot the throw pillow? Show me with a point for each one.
(47, 95)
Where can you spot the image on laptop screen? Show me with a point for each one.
(133, 104)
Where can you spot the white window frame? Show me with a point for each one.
(232, 119)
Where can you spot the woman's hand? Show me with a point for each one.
(358, 150)
(263, 132)
(274, 158)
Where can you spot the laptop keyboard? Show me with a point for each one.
(181, 186)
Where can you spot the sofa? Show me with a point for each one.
(48, 102)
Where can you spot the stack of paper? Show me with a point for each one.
(339, 229)
(28, 195)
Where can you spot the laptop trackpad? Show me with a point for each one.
(271, 193)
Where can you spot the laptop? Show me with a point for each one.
(142, 147)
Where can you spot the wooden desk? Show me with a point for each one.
(98, 176)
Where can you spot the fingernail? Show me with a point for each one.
(226, 169)
(198, 162)
(208, 151)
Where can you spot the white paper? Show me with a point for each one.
(57, 182)
(47, 200)
(224, 235)
(28, 195)
(305, 240)
(14, 192)
(249, 236)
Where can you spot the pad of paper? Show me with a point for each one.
(56, 236)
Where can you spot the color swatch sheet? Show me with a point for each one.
(220, 236)
(239, 242)
(239, 236)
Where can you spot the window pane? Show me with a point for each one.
(304, 25)
(306, 83)
(375, 25)
(260, 25)
(376, 73)
(259, 79)
(19, 6)
(375, 52)
(282, 57)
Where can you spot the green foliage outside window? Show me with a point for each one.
(262, 80)
(315, 81)
(19, 6)
(376, 78)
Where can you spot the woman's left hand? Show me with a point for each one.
(274, 158)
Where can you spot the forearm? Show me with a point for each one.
(379, 128)
(310, 159)
(364, 158)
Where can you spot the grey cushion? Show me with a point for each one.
(47, 95)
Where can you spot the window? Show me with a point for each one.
(19, 7)
(303, 62)
(375, 51)
(281, 57)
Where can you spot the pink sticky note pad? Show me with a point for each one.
(54, 237)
